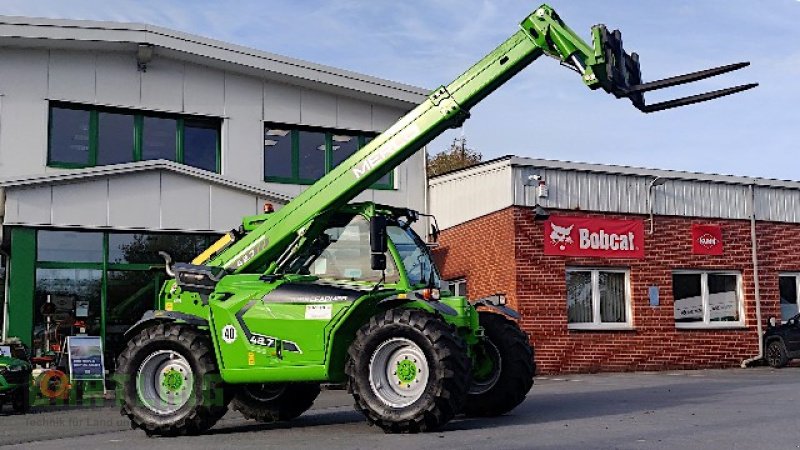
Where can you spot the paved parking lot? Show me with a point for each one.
(756, 408)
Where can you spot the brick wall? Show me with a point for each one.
(503, 252)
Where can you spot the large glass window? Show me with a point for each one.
(278, 154)
(597, 298)
(69, 246)
(69, 136)
(303, 155)
(115, 138)
(706, 299)
(311, 147)
(75, 295)
(790, 305)
(85, 136)
(159, 138)
(200, 144)
(98, 290)
(124, 248)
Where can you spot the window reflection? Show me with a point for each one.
(69, 246)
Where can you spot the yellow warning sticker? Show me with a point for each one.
(251, 358)
(168, 306)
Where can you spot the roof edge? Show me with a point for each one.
(678, 175)
(137, 167)
(182, 41)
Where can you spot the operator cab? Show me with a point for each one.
(345, 250)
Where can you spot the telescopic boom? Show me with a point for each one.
(603, 64)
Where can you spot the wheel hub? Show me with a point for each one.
(164, 382)
(398, 372)
(406, 371)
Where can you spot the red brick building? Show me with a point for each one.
(616, 268)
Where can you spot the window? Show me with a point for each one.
(342, 252)
(304, 155)
(790, 306)
(86, 136)
(598, 299)
(707, 299)
(456, 287)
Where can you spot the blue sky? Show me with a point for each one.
(545, 112)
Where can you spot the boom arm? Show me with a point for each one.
(604, 64)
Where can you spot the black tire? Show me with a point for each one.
(776, 354)
(445, 371)
(208, 397)
(505, 387)
(275, 401)
(21, 402)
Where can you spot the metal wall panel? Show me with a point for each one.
(475, 194)
(229, 206)
(628, 194)
(134, 201)
(185, 203)
(203, 90)
(281, 103)
(244, 134)
(84, 203)
(162, 85)
(118, 81)
(31, 205)
(71, 75)
(383, 117)
(23, 73)
(317, 108)
(353, 114)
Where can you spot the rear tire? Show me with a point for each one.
(274, 401)
(22, 400)
(505, 386)
(171, 385)
(408, 371)
(776, 354)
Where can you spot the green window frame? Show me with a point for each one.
(138, 133)
(363, 138)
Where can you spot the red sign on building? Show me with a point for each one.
(706, 239)
(587, 236)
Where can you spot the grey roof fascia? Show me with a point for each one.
(141, 166)
(644, 172)
(134, 33)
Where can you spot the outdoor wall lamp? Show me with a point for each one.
(144, 54)
(657, 181)
(539, 213)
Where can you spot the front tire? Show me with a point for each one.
(274, 401)
(503, 377)
(21, 401)
(408, 371)
(776, 354)
(171, 385)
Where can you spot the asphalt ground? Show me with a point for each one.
(757, 408)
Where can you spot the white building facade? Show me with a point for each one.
(116, 139)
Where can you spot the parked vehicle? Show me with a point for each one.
(15, 376)
(322, 290)
(782, 341)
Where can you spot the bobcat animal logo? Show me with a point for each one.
(560, 236)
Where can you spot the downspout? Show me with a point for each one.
(754, 248)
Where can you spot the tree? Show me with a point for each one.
(457, 157)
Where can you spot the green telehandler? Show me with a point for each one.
(324, 291)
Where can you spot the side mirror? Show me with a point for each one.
(378, 242)
(434, 232)
(772, 322)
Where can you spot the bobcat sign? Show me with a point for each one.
(586, 236)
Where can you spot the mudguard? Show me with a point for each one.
(502, 309)
(160, 316)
